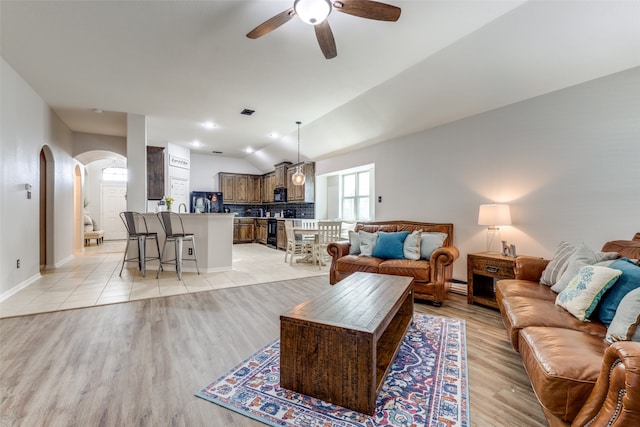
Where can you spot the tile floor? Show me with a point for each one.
(92, 278)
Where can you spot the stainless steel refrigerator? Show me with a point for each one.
(206, 202)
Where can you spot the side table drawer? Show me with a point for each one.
(492, 268)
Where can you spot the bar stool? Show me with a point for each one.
(137, 230)
(169, 222)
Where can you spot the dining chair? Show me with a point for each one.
(328, 231)
(296, 244)
(137, 230)
(174, 232)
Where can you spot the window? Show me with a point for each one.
(356, 196)
(114, 174)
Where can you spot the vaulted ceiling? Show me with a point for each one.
(182, 63)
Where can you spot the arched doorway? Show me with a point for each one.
(47, 172)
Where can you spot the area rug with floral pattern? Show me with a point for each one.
(426, 385)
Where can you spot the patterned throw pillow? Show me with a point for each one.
(558, 264)
(411, 247)
(582, 294)
(625, 325)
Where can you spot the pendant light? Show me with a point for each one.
(298, 178)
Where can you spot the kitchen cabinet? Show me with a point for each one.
(240, 188)
(268, 185)
(243, 230)
(281, 174)
(304, 193)
(261, 231)
(254, 189)
(282, 236)
(226, 186)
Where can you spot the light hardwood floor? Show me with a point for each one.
(140, 362)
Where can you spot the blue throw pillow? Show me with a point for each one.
(628, 281)
(390, 245)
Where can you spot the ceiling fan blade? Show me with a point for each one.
(271, 24)
(325, 39)
(368, 9)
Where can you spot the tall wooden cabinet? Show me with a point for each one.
(304, 193)
(281, 174)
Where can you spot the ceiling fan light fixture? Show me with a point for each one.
(313, 12)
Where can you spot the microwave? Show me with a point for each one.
(280, 195)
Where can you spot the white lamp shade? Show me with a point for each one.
(494, 214)
(312, 12)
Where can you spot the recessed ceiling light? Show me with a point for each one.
(196, 143)
(208, 125)
(248, 150)
(273, 135)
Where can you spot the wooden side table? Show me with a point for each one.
(484, 269)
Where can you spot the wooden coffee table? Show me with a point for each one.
(339, 346)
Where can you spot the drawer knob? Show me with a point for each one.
(491, 269)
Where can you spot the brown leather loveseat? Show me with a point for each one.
(577, 377)
(432, 277)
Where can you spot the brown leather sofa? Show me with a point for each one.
(578, 379)
(432, 278)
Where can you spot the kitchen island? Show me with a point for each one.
(214, 240)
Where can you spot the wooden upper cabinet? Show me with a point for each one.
(281, 174)
(268, 185)
(226, 186)
(254, 188)
(155, 173)
(240, 188)
(302, 193)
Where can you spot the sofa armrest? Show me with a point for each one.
(529, 268)
(615, 399)
(337, 250)
(441, 273)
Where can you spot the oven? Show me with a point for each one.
(272, 232)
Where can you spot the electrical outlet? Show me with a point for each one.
(190, 251)
(18, 263)
(379, 199)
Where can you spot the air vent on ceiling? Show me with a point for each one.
(216, 152)
(247, 112)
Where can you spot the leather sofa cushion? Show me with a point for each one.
(524, 288)
(419, 270)
(351, 263)
(563, 366)
(521, 312)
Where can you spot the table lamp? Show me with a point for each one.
(494, 215)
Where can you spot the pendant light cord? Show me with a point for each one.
(298, 123)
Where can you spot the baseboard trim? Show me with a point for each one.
(20, 286)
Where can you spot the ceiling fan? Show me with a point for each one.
(315, 12)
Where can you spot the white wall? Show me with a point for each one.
(27, 124)
(568, 163)
(205, 169)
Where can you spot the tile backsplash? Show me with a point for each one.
(303, 210)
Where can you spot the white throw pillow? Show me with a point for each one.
(625, 325)
(558, 264)
(411, 246)
(367, 242)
